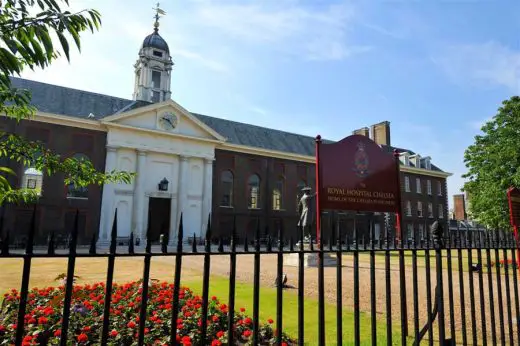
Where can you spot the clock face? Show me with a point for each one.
(168, 121)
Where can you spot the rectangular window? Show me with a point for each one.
(77, 192)
(430, 210)
(407, 184)
(429, 186)
(156, 96)
(441, 211)
(421, 231)
(409, 231)
(419, 209)
(418, 184)
(408, 208)
(156, 79)
(439, 188)
(157, 53)
(253, 200)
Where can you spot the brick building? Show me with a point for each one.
(229, 170)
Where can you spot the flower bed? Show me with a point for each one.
(43, 318)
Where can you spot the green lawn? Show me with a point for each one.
(244, 298)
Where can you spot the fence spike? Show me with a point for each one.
(194, 243)
(148, 248)
(5, 244)
(208, 235)
(291, 244)
(234, 235)
(330, 242)
(131, 243)
(50, 244)
(113, 235)
(269, 245)
(246, 245)
(92, 249)
(220, 244)
(180, 234)
(257, 235)
(32, 232)
(163, 240)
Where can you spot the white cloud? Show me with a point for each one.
(487, 64)
(318, 33)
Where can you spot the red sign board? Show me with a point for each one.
(513, 195)
(357, 174)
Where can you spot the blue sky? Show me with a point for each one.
(435, 69)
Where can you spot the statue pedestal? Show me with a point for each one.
(309, 259)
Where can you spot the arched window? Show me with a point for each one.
(278, 193)
(253, 185)
(74, 191)
(33, 180)
(226, 181)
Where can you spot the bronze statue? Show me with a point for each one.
(305, 212)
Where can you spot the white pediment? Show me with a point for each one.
(168, 118)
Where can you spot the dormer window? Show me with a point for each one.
(405, 158)
(157, 53)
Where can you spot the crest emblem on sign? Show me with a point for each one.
(361, 161)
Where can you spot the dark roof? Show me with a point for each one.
(78, 103)
(56, 99)
(260, 137)
(155, 40)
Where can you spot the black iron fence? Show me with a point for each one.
(447, 288)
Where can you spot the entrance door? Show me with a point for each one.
(159, 217)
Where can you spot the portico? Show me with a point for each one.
(178, 153)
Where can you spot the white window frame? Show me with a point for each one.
(430, 210)
(419, 209)
(441, 211)
(406, 183)
(418, 185)
(429, 186)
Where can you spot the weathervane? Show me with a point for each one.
(158, 12)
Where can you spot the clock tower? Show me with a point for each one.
(153, 67)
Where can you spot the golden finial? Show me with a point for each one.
(158, 12)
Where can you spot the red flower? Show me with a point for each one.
(186, 340)
(43, 320)
(284, 344)
(131, 324)
(57, 333)
(82, 337)
(216, 343)
(113, 333)
(270, 321)
(220, 334)
(242, 309)
(247, 333)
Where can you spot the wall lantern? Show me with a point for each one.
(163, 185)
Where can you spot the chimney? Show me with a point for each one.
(459, 207)
(381, 133)
(364, 131)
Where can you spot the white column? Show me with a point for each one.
(183, 188)
(107, 204)
(206, 194)
(138, 205)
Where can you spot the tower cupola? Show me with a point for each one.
(153, 67)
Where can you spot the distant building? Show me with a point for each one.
(459, 207)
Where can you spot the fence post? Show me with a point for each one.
(438, 243)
